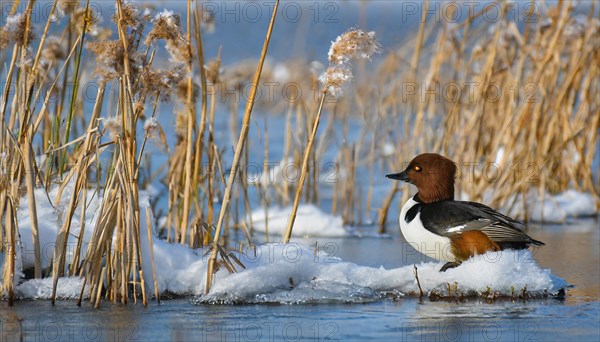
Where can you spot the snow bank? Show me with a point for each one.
(49, 221)
(310, 222)
(557, 208)
(179, 268)
(68, 288)
(293, 274)
(280, 273)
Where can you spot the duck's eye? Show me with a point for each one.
(418, 168)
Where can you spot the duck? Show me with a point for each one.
(447, 230)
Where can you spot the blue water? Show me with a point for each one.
(405, 320)
(571, 253)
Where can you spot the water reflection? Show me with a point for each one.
(571, 252)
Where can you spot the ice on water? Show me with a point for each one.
(281, 273)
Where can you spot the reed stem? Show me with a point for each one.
(304, 171)
(238, 150)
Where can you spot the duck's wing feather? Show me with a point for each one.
(450, 218)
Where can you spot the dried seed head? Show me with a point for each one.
(27, 60)
(151, 80)
(152, 127)
(353, 44)
(147, 15)
(53, 49)
(182, 90)
(156, 80)
(167, 25)
(132, 18)
(103, 33)
(577, 26)
(13, 22)
(110, 57)
(138, 108)
(155, 132)
(213, 71)
(4, 38)
(178, 51)
(82, 17)
(238, 76)
(113, 126)
(334, 78)
(68, 6)
(181, 122)
(173, 76)
(17, 26)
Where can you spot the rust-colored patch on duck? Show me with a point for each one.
(470, 243)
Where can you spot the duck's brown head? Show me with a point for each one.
(432, 174)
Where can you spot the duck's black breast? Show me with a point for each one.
(412, 212)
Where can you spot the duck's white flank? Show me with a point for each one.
(432, 245)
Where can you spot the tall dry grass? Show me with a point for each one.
(537, 121)
(542, 132)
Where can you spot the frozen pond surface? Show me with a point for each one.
(576, 318)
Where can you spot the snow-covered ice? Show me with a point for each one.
(68, 288)
(294, 274)
(282, 273)
(310, 222)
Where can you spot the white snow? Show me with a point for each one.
(550, 208)
(294, 274)
(68, 288)
(310, 222)
(179, 267)
(281, 273)
(49, 223)
(560, 207)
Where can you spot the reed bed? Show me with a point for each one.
(436, 92)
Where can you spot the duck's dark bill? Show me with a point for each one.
(398, 176)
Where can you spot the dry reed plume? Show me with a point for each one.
(352, 45)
